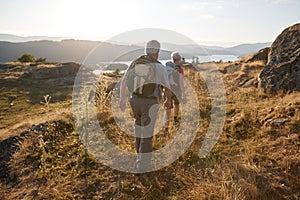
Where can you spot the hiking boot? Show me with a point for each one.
(176, 120)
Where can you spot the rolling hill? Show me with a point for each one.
(57, 50)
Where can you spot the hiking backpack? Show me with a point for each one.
(173, 73)
(141, 78)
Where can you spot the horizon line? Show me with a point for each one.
(224, 44)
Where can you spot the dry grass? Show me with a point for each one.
(237, 74)
(252, 159)
(22, 101)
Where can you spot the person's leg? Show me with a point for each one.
(176, 109)
(137, 133)
(168, 114)
(148, 119)
(176, 112)
(135, 106)
(167, 119)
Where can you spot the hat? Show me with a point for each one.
(152, 47)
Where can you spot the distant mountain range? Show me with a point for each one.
(16, 38)
(59, 49)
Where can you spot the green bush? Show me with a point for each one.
(41, 60)
(27, 58)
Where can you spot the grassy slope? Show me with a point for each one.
(22, 101)
(252, 159)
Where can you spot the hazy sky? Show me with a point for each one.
(224, 23)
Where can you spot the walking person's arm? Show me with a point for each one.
(164, 81)
(122, 102)
(181, 84)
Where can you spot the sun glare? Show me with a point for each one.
(92, 18)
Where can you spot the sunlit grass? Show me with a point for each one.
(251, 160)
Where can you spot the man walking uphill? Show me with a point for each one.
(143, 79)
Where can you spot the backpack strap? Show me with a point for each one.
(144, 59)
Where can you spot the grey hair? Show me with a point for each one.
(152, 47)
(175, 56)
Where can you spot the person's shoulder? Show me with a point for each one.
(142, 58)
(134, 62)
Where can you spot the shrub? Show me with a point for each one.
(27, 58)
(41, 60)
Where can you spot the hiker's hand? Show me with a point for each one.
(122, 105)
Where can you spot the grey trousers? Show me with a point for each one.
(145, 113)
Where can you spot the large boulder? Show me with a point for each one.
(282, 71)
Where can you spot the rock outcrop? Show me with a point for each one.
(261, 55)
(62, 74)
(282, 71)
(57, 71)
